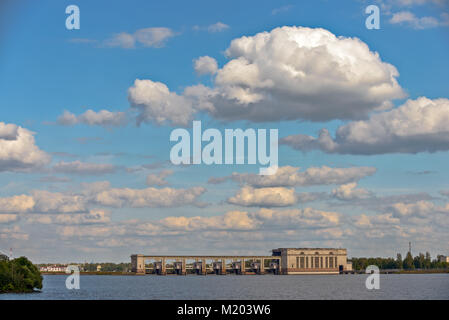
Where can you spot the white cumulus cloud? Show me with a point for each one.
(288, 176)
(264, 197)
(416, 126)
(102, 118)
(18, 151)
(288, 73)
(147, 37)
(205, 65)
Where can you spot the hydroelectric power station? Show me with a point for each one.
(282, 261)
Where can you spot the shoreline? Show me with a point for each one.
(136, 274)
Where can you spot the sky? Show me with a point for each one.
(86, 116)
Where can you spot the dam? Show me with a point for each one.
(282, 261)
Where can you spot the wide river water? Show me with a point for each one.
(392, 286)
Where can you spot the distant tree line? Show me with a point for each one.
(421, 261)
(106, 267)
(19, 275)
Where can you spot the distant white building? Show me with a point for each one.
(53, 268)
(443, 259)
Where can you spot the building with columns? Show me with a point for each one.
(313, 260)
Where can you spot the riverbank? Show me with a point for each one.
(93, 273)
(355, 272)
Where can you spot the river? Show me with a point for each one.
(392, 286)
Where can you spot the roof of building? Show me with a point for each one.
(309, 249)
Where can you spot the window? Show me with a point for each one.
(297, 262)
(317, 262)
(307, 262)
(301, 262)
(321, 262)
(331, 262)
(327, 262)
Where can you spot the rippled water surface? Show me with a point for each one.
(392, 286)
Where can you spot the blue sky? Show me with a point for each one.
(46, 70)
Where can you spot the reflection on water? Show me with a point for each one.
(392, 286)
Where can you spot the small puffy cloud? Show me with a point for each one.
(83, 168)
(233, 220)
(419, 209)
(153, 37)
(14, 233)
(102, 118)
(16, 204)
(298, 218)
(264, 197)
(148, 198)
(158, 179)
(88, 231)
(289, 176)
(365, 221)
(18, 151)
(8, 218)
(350, 191)
(122, 40)
(155, 103)
(213, 28)
(417, 126)
(57, 202)
(92, 217)
(409, 19)
(41, 201)
(281, 9)
(147, 37)
(217, 27)
(205, 65)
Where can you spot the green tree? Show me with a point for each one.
(399, 261)
(428, 261)
(19, 275)
(408, 262)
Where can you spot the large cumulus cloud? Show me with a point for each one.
(416, 126)
(288, 73)
(18, 151)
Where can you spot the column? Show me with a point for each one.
(183, 267)
(242, 266)
(223, 266)
(164, 265)
(262, 266)
(138, 263)
(203, 267)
